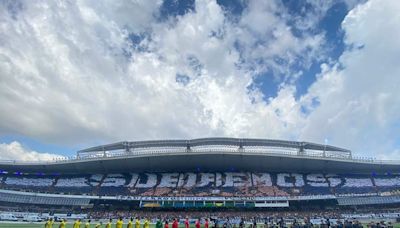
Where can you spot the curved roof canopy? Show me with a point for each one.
(239, 142)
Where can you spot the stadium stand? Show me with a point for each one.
(13, 197)
(226, 184)
(217, 178)
(368, 200)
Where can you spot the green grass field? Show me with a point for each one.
(41, 225)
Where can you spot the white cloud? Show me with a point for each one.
(265, 34)
(86, 84)
(135, 16)
(393, 155)
(77, 82)
(15, 151)
(359, 95)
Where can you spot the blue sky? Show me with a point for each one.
(87, 73)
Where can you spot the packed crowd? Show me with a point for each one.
(247, 216)
(226, 184)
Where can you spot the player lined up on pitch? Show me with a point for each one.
(50, 223)
(118, 224)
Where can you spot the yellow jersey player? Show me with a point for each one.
(146, 223)
(77, 224)
(108, 225)
(98, 225)
(119, 223)
(130, 223)
(137, 222)
(63, 223)
(87, 224)
(49, 223)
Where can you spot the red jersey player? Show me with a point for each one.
(206, 224)
(175, 223)
(187, 223)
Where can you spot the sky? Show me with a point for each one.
(81, 73)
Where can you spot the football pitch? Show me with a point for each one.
(69, 225)
(55, 225)
(41, 225)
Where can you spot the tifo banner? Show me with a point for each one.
(208, 184)
(199, 180)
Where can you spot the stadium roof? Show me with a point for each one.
(208, 154)
(239, 142)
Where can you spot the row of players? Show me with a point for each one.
(120, 222)
(198, 180)
(278, 223)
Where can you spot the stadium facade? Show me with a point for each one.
(201, 173)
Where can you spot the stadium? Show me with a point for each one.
(257, 179)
